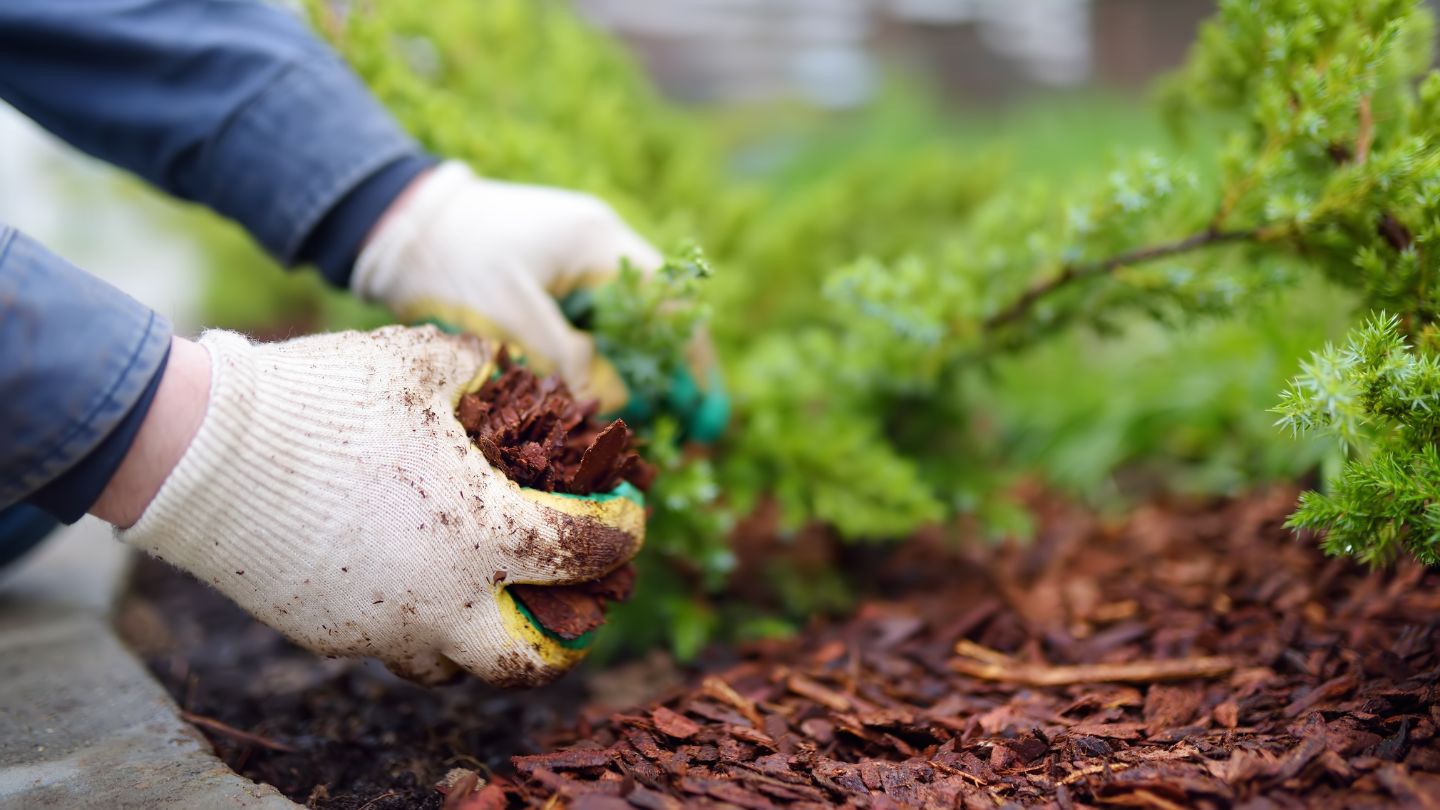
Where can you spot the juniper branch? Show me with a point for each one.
(1072, 273)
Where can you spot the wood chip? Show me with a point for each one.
(1179, 669)
(673, 724)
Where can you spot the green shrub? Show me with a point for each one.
(913, 316)
(1380, 398)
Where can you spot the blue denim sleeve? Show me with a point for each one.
(77, 357)
(230, 103)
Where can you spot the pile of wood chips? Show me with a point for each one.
(1193, 656)
(539, 435)
(534, 431)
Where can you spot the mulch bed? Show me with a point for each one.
(1195, 656)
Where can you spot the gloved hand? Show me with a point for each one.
(492, 258)
(331, 492)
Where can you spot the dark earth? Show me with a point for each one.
(1191, 655)
(331, 733)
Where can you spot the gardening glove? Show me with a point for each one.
(331, 492)
(493, 259)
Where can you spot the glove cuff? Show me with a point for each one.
(389, 254)
(237, 508)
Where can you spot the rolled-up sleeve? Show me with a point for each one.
(230, 103)
(76, 356)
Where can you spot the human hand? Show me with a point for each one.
(492, 258)
(331, 492)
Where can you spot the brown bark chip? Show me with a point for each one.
(602, 460)
(674, 724)
(570, 611)
(539, 436)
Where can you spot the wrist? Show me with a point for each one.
(407, 242)
(397, 204)
(172, 422)
(336, 241)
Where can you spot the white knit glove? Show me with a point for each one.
(331, 492)
(492, 257)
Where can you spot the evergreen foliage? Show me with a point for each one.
(882, 318)
(1381, 398)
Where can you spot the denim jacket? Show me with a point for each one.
(230, 103)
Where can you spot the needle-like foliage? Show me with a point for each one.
(1381, 399)
(872, 313)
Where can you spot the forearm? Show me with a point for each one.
(170, 423)
(232, 104)
(77, 359)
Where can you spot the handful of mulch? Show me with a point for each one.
(536, 433)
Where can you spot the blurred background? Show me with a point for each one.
(833, 53)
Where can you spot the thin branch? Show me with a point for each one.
(1366, 136)
(1104, 767)
(989, 665)
(227, 730)
(1072, 273)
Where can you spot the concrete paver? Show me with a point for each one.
(82, 724)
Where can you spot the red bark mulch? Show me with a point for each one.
(538, 435)
(1194, 656)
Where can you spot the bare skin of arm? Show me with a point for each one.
(174, 418)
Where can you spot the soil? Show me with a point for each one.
(332, 733)
(536, 433)
(1191, 655)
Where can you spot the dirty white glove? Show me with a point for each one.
(491, 258)
(331, 492)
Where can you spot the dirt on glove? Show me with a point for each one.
(535, 432)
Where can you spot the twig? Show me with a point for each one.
(806, 688)
(943, 768)
(1366, 135)
(993, 666)
(389, 794)
(230, 731)
(724, 692)
(1091, 770)
(1072, 273)
(970, 649)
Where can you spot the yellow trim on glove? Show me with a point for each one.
(604, 381)
(621, 513)
(521, 629)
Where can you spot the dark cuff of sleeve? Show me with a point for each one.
(335, 243)
(71, 495)
(75, 356)
(305, 143)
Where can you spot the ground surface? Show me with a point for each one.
(1191, 656)
(357, 736)
(82, 724)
